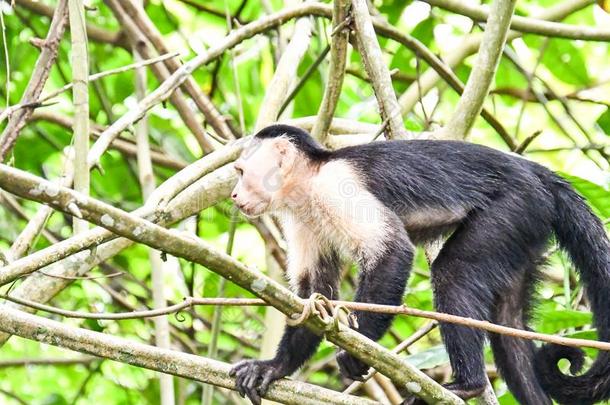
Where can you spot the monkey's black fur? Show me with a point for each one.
(486, 270)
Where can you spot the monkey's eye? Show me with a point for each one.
(239, 171)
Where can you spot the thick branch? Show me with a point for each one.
(166, 361)
(285, 74)
(80, 96)
(208, 191)
(153, 207)
(525, 24)
(195, 250)
(336, 71)
(41, 72)
(479, 81)
(377, 71)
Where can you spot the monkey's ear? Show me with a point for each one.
(285, 150)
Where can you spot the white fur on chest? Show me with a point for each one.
(340, 214)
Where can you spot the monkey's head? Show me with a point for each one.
(274, 169)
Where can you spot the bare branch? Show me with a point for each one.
(166, 361)
(483, 72)
(41, 72)
(285, 74)
(141, 44)
(205, 105)
(336, 71)
(525, 24)
(377, 71)
(80, 95)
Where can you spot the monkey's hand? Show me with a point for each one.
(351, 367)
(252, 377)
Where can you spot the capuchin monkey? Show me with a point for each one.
(372, 203)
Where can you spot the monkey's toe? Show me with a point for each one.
(351, 367)
(253, 377)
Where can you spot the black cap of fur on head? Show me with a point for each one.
(300, 138)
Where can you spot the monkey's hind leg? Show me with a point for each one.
(477, 264)
(514, 356)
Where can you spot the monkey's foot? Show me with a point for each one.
(462, 390)
(252, 377)
(351, 367)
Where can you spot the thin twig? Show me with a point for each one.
(310, 70)
(526, 24)
(354, 306)
(39, 76)
(92, 78)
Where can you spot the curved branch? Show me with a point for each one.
(526, 24)
(484, 70)
(163, 360)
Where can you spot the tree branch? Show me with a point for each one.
(190, 86)
(336, 71)
(526, 24)
(80, 96)
(41, 72)
(377, 71)
(471, 45)
(163, 360)
(483, 72)
(285, 74)
(95, 33)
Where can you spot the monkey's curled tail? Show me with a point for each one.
(583, 236)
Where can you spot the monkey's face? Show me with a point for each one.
(261, 170)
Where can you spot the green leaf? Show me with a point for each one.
(604, 121)
(430, 358)
(596, 195)
(424, 31)
(393, 9)
(553, 321)
(566, 62)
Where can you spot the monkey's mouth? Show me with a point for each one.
(252, 211)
